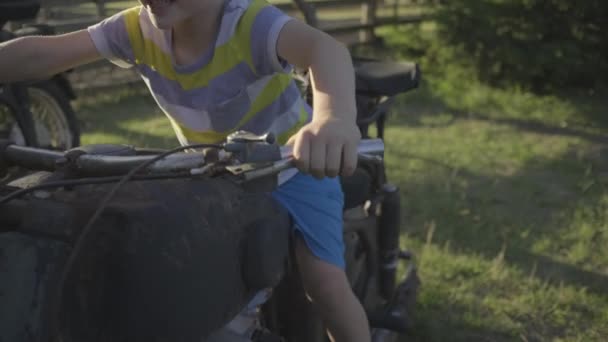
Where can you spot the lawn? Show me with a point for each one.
(504, 196)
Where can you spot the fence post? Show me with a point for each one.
(309, 12)
(101, 8)
(396, 4)
(368, 17)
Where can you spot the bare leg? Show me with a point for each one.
(329, 289)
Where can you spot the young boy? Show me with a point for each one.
(215, 66)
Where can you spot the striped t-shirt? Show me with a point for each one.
(240, 83)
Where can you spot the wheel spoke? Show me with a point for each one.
(49, 115)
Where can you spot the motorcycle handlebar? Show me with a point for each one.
(31, 158)
(105, 165)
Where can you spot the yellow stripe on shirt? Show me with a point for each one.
(227, 56)
(274, 88)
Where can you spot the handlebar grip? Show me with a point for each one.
(365, 147)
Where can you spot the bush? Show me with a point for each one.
(540, 44)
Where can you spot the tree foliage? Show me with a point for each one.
(537, 43)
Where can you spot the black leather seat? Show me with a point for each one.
(35, 30)
(380, 78)
(18, 9)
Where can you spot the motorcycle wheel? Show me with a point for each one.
(10, 130)
(54, 117)
(8, 123)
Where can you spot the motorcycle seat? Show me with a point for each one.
(35, 30)
(11, 10)
(384, 78)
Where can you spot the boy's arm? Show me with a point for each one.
(328, 145)
(38, 57)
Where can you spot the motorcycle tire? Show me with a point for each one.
(56, 125)
(11, 124)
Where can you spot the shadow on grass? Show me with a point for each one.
(451, 320)
(530, 219)
(537, 205)
(422, 104)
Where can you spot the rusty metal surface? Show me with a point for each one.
(164, 262)
(27, 266)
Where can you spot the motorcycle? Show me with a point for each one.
(115, 243)
(35, 113)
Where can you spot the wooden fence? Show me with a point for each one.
(58, 14)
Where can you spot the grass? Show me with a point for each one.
(504, 194)
(505, 202)
(124, 116)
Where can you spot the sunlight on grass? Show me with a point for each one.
(582, 234)
(158, 126)
(126, 116)
(476, 297)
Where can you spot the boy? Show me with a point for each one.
(215, 66)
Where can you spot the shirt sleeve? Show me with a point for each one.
(111, 38)
(264, 37)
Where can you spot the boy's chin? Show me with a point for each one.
(161, 23)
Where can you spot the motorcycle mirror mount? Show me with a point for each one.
(250, 148)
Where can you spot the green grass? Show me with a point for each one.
(504, 195)
(505, 202)
(124, 116)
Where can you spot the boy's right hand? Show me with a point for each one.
(327, 147)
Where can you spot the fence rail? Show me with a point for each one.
(61, 14)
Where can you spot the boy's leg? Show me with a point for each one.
(329, 289)
(316, 208)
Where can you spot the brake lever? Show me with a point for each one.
(282, 165)
(245, 168)
(274, 168)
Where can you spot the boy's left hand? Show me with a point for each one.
(326, 147)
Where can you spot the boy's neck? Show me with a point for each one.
(193, 37)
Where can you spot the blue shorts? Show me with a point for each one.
(316, 209)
